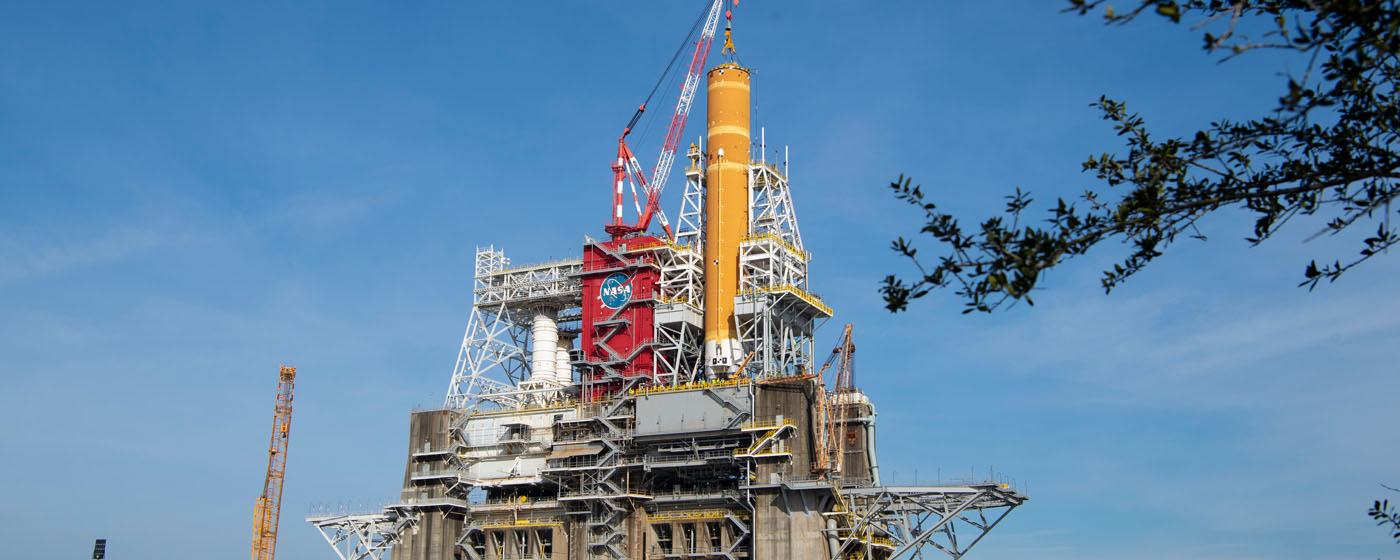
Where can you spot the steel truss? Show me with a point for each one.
(775, 310)
(679, 315)
(364, 536)
(494, 358)
(776, 313)
(770, 205)
(680, 310)
(904, 519)
(776, 316)
(690, 225)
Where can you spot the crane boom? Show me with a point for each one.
(269, 505)
(664, 161)
(627, 168)
(834, 409)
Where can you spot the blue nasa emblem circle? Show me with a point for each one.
(616, 290)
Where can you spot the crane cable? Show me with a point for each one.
(638, 115)
(728, 33)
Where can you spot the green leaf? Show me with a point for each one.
(1171, 10)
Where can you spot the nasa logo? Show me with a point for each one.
(616, 290)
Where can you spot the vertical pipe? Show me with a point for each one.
(762, 145)
(726, 210)
(563, 372)
(831, 544)
(544, 333)
(870, 447)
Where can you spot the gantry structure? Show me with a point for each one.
(658, 397)
(522, 469)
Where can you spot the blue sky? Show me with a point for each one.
(192, 195)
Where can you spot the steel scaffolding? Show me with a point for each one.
(362, 536)
(494, 358)
(776, 312)
(905, 519)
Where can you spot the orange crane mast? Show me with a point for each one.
(832, 410)
(269, 504)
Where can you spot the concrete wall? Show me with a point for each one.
(435, 539)
(856, 463)
(438, 531)
(578, 539)
(794, 401)
(636, 534)
(427, 430)
(788, 524)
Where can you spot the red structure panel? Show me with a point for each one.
(619, 289)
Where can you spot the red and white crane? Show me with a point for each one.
(627, 170)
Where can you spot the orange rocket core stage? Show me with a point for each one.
(726, 210)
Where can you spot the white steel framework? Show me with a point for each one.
(494, 358)
(906, 519)
(770, 205)
(680, 314)
(680, 310)
(776, 313)
(363, 536)
(690, 225)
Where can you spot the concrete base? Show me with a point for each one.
(439, 526)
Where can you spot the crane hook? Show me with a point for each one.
(728, 31)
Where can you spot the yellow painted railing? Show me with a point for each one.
(794, 290)
(563, 403)
(776, 239)
(549, 264)
(692, 386)
(693, 515)
(521, 523)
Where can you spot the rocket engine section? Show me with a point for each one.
(619, 281)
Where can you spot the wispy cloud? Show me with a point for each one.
(35, 254)
(1210, 351)
(22, 259)
(323, 209)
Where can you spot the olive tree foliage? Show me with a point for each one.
(1386, 516)
(1323, 158)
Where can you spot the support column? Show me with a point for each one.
(544, 336)
(563, 372)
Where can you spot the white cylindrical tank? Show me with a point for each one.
(544, 333)
(563, 372)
